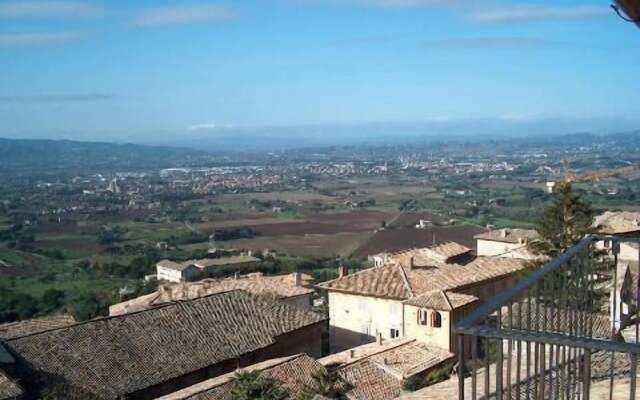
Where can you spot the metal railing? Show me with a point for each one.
(558, 332)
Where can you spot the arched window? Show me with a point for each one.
(436, 319)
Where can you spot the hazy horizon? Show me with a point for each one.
(165, 72)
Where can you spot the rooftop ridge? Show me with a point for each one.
(223, 379)
(110, 317)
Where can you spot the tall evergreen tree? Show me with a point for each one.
(564, 223)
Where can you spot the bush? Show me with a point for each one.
(413, 383)
(251, 386)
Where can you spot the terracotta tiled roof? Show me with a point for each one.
(440, 300)
(386, 281)
(369, 381)
(402, 283)
(448, 250)
(411, 358)
(8, 388)
(508, 235)
(429, 256)
(617, 222)
(376, 371)
(294, 373)
(20, 328)
(119, 355)
(281, 286)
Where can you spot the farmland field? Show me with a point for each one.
(339, 244)
(406, 238)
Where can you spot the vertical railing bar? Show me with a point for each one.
(499, 359)
(614, 311)
(528, 370)
(633, 373)
(487, 368)
(543, 350)
(461, 366)
(587, 373)
(536, 345)
(509, 350)
(550, 369)
(474, 367)
(518, 362)
(558, 370)
(637, 310)
(565, 373)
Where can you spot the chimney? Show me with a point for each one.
(352, 354)
(342, 271)
(236, 275)
(412, 262)
(379, 339)
(503, 233)
(297, 279)
(250, 253)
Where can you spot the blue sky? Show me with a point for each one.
(138, 70)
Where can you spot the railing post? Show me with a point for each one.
(586, 377)
(460, 367)
(499, 360)
(633, 373)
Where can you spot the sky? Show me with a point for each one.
(158, 70)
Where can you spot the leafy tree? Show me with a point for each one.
(325, 383)
(253, 386)
(52, 299)
(564, 223)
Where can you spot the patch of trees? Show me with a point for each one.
(242, 232)
(109, 235)
(18, 237)
(187, 238)
(136, 269)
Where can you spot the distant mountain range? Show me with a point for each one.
(29, 154)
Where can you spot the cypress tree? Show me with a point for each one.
(564, 223)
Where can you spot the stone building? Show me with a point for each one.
(412, 301)
(155, 352)
(506, 242)
(377, 371)
(190, 270)
(291, 289)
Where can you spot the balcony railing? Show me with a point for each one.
(567, 330)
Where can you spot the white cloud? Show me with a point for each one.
(48, 8)
(184, 15)
(530, 13)
(505, 42)
(17, 39)
(59, 98)
(202, 127)
(382, 3)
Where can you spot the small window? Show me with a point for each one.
(394, 333)
(436, 319)
(422, 317)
